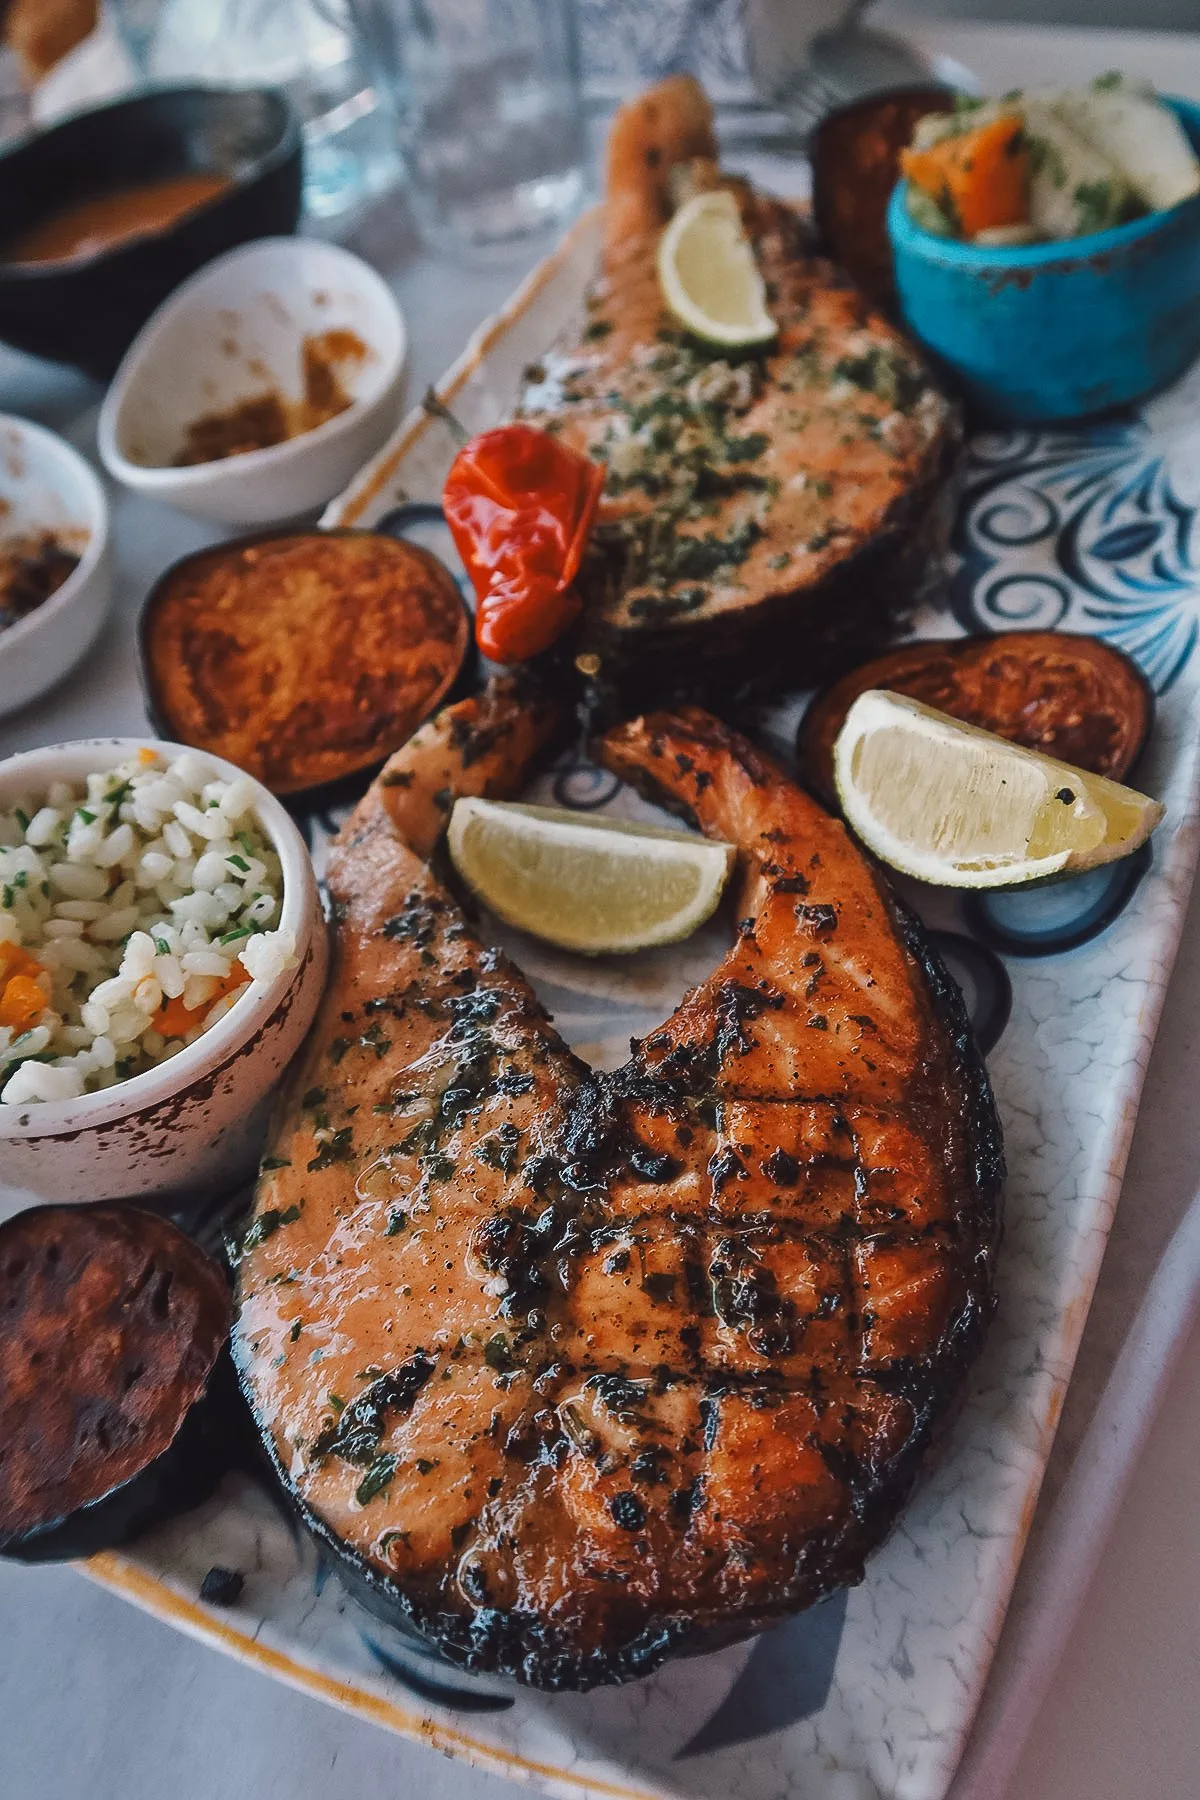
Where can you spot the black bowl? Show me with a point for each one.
(88, 311)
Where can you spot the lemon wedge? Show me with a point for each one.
(592, 885)
(959, 807)
(708, 275)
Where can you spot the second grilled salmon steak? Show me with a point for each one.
(574, 1370)
(793, 499)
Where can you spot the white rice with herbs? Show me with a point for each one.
(141, 902)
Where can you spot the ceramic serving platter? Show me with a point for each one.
(869, 1695)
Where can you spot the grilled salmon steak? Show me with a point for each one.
(799, 491)
(573, 1370)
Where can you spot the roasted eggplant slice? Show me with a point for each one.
(856, 164)
(1069, 696)
(113, 1335)
(304, 657)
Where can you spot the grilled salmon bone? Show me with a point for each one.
(573, 1370)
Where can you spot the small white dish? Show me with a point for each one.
(236, 330)
(45, 485)
(196, 1121)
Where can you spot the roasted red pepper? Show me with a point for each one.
(520, 506)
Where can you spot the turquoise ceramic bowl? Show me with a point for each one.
(1057, 331)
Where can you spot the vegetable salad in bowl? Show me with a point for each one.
(135, 909)
(1050, 164)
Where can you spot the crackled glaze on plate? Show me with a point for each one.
(869, 1695)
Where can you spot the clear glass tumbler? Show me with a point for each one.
(488, 96)
(313, 50)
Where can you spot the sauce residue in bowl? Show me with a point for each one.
(262, 420)
(108, 220)
(33, 565)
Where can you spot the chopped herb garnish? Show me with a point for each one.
(22, 818)
(238, 862)
(497, 1354)
(162, 946)
(1099, 204)
(338, 1147)
(297, 1327)
(748, 448)
(274, 1162)
(396, 1221)
(437, 1165)
(239, 931)
(376, 1479)
(266, 1224)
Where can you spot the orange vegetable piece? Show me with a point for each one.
(980, 179)
(22, 1002)
(15, 960)
(176, 1020)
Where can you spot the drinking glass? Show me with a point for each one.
(314, 51)
(488, 96)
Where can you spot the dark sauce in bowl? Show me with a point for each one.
(97, 224)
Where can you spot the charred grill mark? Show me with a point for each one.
(355, 1435)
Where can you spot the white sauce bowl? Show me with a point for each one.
(236, 330)
(45, 485)
(194, 1123)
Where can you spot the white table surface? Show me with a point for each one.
(101, 1702)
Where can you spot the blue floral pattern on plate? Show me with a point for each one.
(1088, 529)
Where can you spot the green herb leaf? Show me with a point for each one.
(498, 1355)
(376, 1479)
(339, 1147)
(266, 1224)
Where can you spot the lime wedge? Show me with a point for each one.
(593, 885)
(959, 807)
(708, 275)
